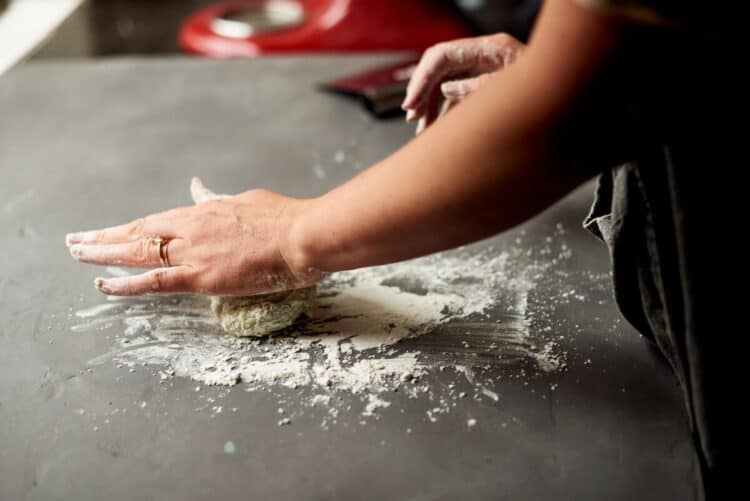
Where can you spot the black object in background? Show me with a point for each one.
(381, 90)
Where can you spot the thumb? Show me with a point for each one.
(200, 193)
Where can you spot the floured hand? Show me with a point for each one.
(450, 71)
(224, 245)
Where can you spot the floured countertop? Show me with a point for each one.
(465, 311)
(499, 370)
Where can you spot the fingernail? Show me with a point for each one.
(447, 87)
(411, 115)
(101, 286)
(76, 251)
(421, 125)
(72, 238)
(82, 237)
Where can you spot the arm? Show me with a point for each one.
(512, 148)
(489, 164)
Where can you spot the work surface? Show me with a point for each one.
(545, 395)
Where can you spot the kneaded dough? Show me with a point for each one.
(262, 314)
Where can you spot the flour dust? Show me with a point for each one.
(373, 331)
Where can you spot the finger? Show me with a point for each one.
(437, 62)
(421, 126)
(465, 57)
(448, 105)
(158, 281)
(155, 224)
(458, 89)
(404, 74)
(200, 193)
(432, 111)
(143, 253)
(429, 110)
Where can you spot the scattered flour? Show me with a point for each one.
(355, 339)
(374, 402)
(319, 172)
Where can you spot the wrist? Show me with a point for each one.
(297, 242)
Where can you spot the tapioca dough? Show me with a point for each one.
(256, 316)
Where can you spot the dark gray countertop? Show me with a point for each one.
(85, 145)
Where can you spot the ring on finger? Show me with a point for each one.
(161, 244)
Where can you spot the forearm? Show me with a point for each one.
(440, 191)
(490, 164)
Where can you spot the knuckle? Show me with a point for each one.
(258, 193)
(129, 287)
(431, 50)
(98, 236)
(158, 280)
(171, 214)
(136, 227)
(209, 208)
(435, 52)
(142, 247)
(442, 49)
(503, 38)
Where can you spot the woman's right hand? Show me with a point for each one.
(225, 245)
(450, 71)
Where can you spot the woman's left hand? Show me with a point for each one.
(450, 71)
(225, 245)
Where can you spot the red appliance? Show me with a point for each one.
(247, 28)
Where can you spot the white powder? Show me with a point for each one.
(320, 400)
(374, 402)
(319, 172)
(95, 310)
(454, 53)
(490, 394)
(349, 344)
(116, 271)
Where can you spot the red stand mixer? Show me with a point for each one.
(251, 28)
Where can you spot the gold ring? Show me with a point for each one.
(161, 244)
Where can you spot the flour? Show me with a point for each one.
(374, 402)
(319, 172)
(95, 310)
(355, 341)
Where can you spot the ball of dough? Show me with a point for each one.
(262, 314)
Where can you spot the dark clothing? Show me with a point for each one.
(670, 218)
(672, 283)
(718, 18)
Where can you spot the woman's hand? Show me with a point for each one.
(450, 71)
(225, 245)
